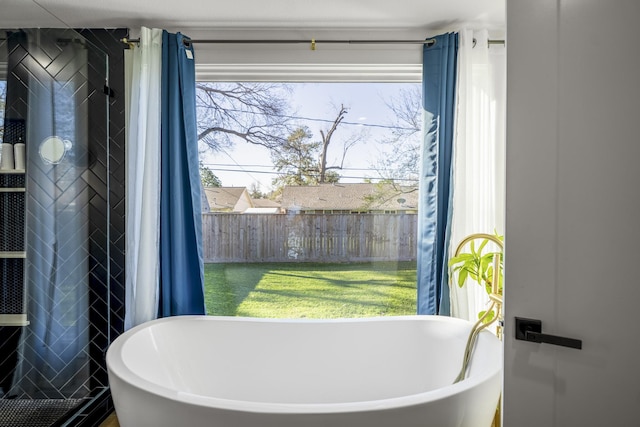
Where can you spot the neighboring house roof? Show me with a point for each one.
(228, 199)
(350, 197)
(265, 203)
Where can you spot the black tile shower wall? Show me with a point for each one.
(12, 211)
(105, 329)
(108, 41)
(106, 178)
(48, 57)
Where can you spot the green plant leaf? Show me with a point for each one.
(474, 275)
(460, 258)
(482, 245)
(489, 317)
(462, 277)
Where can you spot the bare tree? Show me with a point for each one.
(326, 140)
(328, 173)
(251, 112)
(402, 162)
(399, 168)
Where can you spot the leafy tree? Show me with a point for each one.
(208, 178)
(255, 192)
(296, 161)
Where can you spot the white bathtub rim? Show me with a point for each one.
(117, 366)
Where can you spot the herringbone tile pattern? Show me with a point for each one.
(90, 201)
(75, 194)
(65, 221)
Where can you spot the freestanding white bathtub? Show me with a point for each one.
(229, 371)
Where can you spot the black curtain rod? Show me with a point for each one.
(312, 42)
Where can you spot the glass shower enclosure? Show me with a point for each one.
(54, 225)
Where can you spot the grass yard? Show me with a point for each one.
(312, 290)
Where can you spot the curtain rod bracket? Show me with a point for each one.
(129, 43)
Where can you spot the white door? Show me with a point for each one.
(573, 212)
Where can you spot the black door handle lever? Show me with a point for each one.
(531, 330)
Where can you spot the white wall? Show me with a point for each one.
(297, 62)
(573, 203)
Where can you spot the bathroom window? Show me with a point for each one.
(310, 197)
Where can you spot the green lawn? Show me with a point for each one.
(313, 290)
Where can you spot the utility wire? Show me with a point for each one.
(217, 165)
(317, 175)
(240, 166)
(314, 119)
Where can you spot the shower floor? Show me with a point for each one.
(34, 412)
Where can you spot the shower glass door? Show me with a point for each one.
(54, 224)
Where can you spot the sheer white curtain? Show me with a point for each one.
(143, 68)
(479, 155)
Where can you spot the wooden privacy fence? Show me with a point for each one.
(228, 237)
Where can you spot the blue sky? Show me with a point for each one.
(366, 106)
